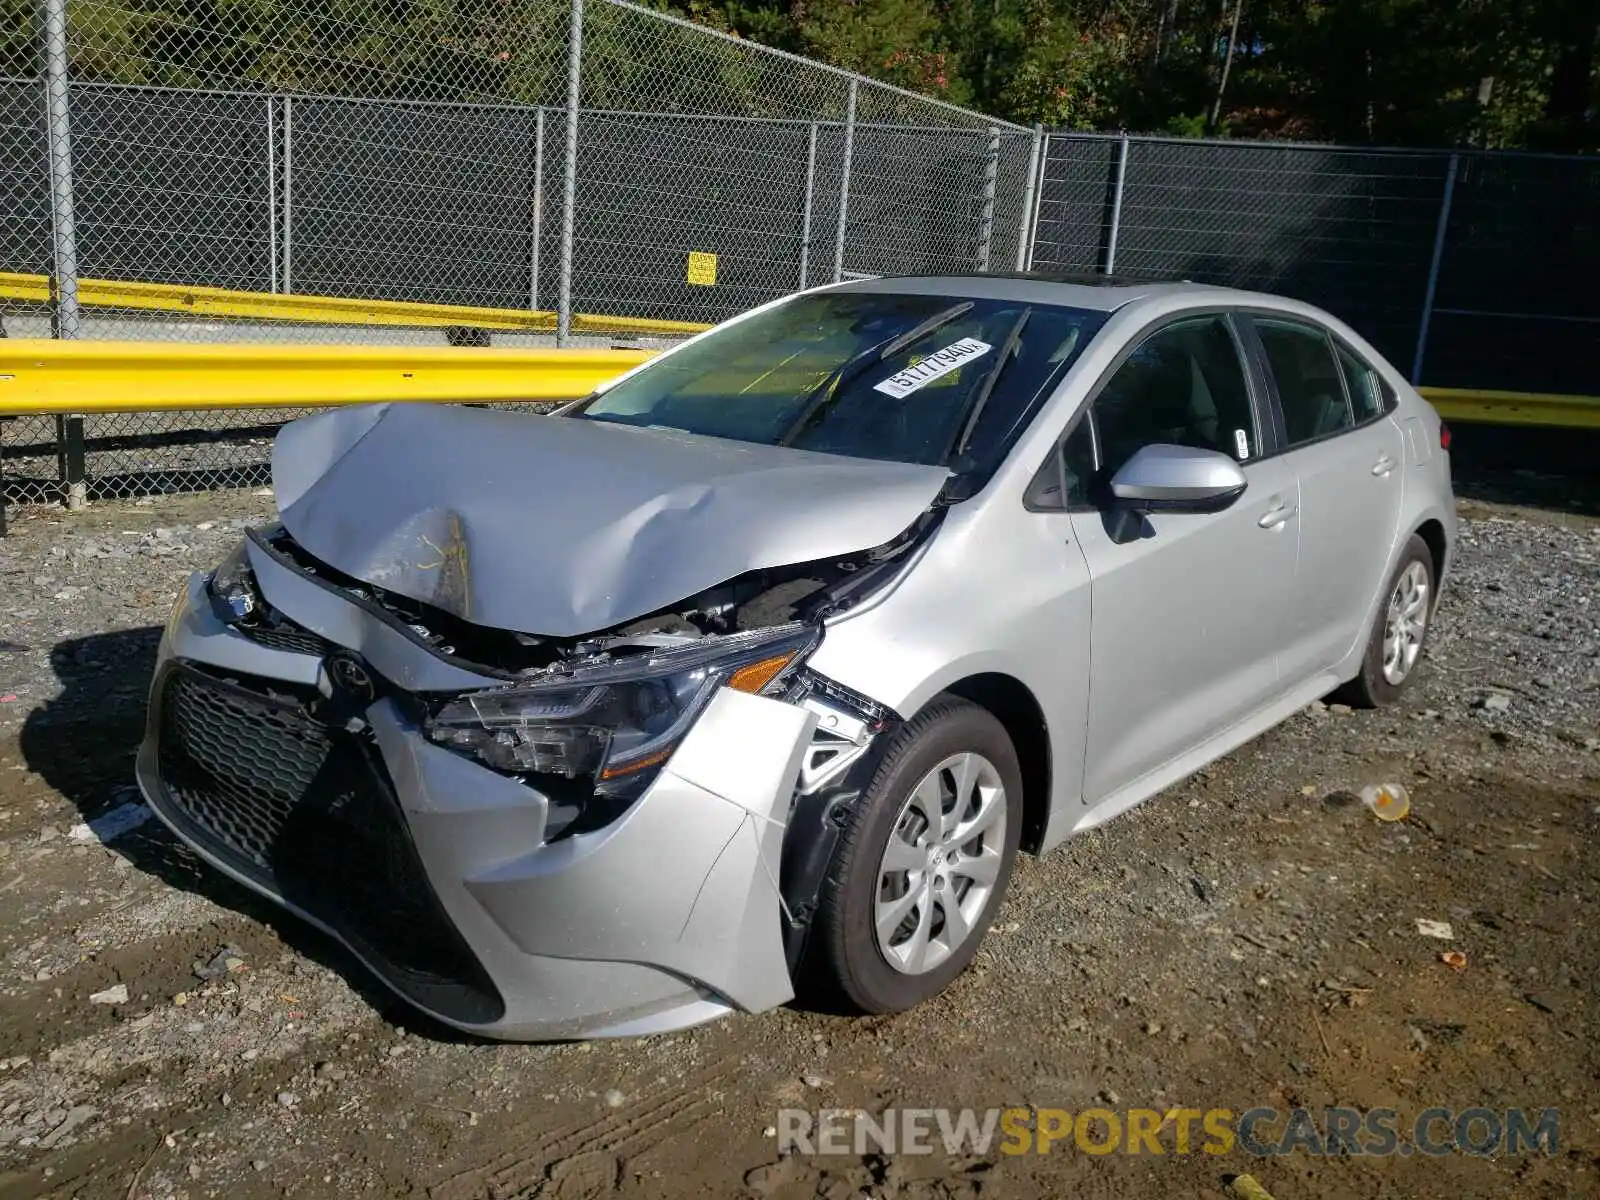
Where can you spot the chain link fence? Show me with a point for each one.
(589, 164)
(563, 157)
(1465, 268)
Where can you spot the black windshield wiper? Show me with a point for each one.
(981, 397)
(917, 332)
(829, 389)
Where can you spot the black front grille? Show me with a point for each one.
(285, 636)
(308, 812)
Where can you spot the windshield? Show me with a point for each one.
(908, 378)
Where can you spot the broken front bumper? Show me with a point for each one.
(434, 870)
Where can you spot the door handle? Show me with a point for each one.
(1276, 516)
(1383, 466)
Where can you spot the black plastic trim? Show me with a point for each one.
(812, 834)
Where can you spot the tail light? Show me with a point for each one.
(1444, 436)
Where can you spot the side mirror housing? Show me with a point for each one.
(1165, 478)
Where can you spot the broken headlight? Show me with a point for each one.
(232, 587)
(617, 721)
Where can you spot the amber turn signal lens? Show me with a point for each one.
(757, 675)
(639, 764)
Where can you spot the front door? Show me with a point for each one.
(1188, 609)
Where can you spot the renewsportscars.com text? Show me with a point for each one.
(1262, 1132)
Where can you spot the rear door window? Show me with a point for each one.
(1310, 384)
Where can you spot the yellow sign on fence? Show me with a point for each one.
(702, 268)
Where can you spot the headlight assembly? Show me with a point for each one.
(232, 587)
(617, 721)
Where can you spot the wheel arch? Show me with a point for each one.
(1433, 533)
(1013, 704)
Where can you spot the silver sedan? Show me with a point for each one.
(751, 673)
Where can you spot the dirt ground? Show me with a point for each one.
(1248, 938)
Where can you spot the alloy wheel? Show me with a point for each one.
(937, 875)
(1405, 623)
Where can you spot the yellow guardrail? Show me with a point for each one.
(43, 376)
(1469, 406)
(92, 376)
(39, 376)
(324, 310)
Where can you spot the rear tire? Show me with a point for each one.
(1399, 631)
(922, 863)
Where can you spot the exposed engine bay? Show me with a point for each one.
(762, 599)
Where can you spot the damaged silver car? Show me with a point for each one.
(752, 672)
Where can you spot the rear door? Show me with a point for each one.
(1188, 608)
(1348, 455)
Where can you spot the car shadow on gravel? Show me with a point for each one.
(84, 744)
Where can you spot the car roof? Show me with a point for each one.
(1099, 293)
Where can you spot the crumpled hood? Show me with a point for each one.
(560, 527)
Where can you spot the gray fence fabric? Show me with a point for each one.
(1517, 305)
(461, 203)
(580, 156)
(1355, 231)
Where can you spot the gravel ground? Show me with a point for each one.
(1247, 938)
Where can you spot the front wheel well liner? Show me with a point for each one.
(1011, 703)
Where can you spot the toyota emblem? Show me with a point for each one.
(351, 678)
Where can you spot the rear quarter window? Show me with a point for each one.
(1370, 396)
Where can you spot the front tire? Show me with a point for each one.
(922, 862)
(1394, 647)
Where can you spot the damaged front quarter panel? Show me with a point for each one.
(688, 879)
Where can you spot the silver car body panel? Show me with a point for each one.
(1351, 505)
(1156, 695)
(1146, 657)
(560, 527)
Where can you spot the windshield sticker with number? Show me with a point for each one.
(935, 366)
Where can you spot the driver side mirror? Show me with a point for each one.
(1167, 478)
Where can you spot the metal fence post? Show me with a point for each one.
(272, 193)
(288, 194)
(991, 174)
(64, 318)
(805, 212)
(538, 209)
(844, 181)
(72, 459)
(569, 184)
(1031, 190)
(1116, 206)
(1433, 268)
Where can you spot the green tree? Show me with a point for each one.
(1402, 72)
